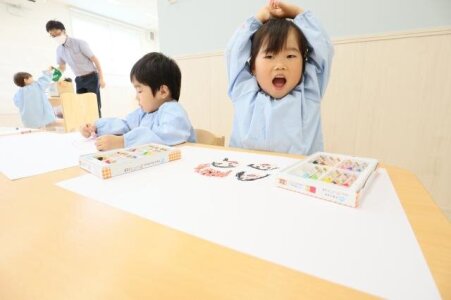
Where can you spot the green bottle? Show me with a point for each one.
(56, 74)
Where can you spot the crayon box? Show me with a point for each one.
(121, 161)
(338, 178)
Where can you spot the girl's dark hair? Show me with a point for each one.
(19, 78)
(274, 34)
(54, 24)
(156, 69)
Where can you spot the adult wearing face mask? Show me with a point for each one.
(78, 55)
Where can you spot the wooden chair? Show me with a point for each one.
(78, 109)
(61, 87)
(206, 137)
(64, 87)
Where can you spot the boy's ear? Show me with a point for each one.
(164, 92)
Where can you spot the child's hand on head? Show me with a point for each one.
(108, 142)
(279, 9)
(264, 14)
(87, 130)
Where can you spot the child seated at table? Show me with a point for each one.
(159, 119)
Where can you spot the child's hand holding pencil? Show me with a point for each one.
(88, 130)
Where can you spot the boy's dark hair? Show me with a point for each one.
(156, 69)
(19, 78)
(54, 24)
(274, 34)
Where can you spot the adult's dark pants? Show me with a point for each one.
(89, 83)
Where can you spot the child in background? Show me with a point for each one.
(31, 99)
(278, 68)
(160, 118)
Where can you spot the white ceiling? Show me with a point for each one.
(142, 13)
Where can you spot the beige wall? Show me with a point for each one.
(389, 97)
(204, 92)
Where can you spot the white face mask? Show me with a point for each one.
(61, 39)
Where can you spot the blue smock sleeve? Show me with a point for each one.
(119, 126)
(114, 126)
(238, 53)
(45, 80)
(171, 127)
(321, 49)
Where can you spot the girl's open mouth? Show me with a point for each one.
(279, 82)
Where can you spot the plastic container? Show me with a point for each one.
(56, 74)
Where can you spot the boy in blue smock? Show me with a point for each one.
(159, 119)
(32, 101)
(278, 68)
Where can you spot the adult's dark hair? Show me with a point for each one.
(54, 24)
(156, 69)
(19, 78)
(274, 35)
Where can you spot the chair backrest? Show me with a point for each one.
(206, 137)
(78, 109)
(64, 87)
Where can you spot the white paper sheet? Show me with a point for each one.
(24, 155)
(371, 248)
(15, 130)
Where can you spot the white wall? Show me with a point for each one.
(204, 26)
(118, 46)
